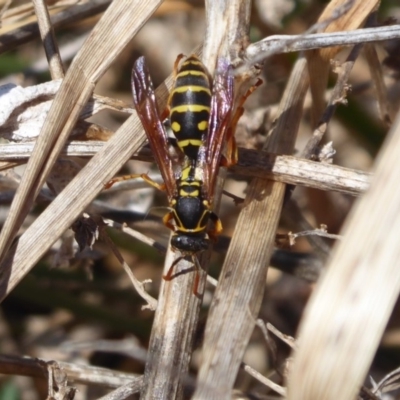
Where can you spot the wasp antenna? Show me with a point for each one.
(150, 210)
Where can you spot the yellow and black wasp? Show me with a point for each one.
(201, 115)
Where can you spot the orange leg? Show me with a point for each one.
(166, 220)
(145, 177)
(197, 277)
(213, 233)
(231, 157)
(165, 114)
(169, 276)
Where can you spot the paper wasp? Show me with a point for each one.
(201, 115)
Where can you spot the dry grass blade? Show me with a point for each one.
(364, 279)
(99, 50)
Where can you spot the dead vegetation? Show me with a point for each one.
(320, 132)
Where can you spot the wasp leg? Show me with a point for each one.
(145, 177)
(169, 275)
(166, 220)
(197, 277)
(213, 233)
(231, 156)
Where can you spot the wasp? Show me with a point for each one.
(200, 112)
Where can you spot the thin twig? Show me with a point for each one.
(49, 40)
(294, 218)
(139, 286)
(264, 380)
(135, 234)
(390, 381)
(289, 340)
(375, 68)
(123, 392)
(88, 375)
(292, 43)
(317, 232)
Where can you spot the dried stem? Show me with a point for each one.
(88, 375)
(49, 40)
(275, 44)
(314, 232)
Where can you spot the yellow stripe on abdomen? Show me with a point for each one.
(191, 72)
(189, 108)
(192, 61)
(193, 88)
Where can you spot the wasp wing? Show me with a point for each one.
(146, 107)
(219, 122)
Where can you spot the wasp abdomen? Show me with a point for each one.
(190, 103)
